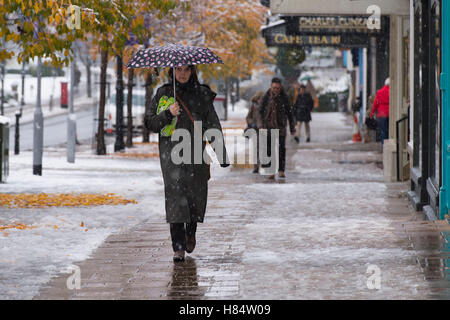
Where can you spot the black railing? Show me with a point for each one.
(397, 125)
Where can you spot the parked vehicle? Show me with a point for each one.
(138, 111)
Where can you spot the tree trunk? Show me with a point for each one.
(119, 145)
(238, 89)
(148, 100)
(226, 97)
(101, 147)
(129, 108)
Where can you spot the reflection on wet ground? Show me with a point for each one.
(431, 241)
(184, 283)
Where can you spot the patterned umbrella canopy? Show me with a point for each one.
(172, 55)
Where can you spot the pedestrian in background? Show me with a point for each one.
(302, 111)
(312, 91)
(254, 121)
(275, 112)
(293, 92)
(381, 108)
(370, 124)
(185, 184)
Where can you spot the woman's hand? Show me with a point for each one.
(174, 109)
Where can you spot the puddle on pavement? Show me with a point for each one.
(185, 282)
(432, 246)
(192, 282)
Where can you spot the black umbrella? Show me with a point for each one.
(172, 55)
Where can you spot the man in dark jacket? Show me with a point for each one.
(275, 112)
(302, 110)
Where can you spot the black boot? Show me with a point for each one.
(190, 243)
(178, 256)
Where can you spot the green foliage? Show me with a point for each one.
(288, 59)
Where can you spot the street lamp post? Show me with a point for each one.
(22, 100)
(2, 111)
(38, 127)
(71, 120)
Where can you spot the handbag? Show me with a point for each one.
(371, 123)
(208, 166)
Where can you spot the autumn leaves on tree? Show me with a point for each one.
(117, 28)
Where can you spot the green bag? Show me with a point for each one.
(164, 104)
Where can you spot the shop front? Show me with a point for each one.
(426, 171)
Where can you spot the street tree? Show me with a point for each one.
(231, 28)
(39, 29)
(116, 21)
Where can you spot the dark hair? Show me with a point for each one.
(276, 80)
(193, 77)
(302, 86)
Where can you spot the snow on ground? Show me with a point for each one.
(333, 236)
(28, 258)
(63, 236)
(326, 223)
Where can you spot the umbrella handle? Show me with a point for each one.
(174, 96)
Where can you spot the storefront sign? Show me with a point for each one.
(333, 31)
(334, 24)
(281, 39)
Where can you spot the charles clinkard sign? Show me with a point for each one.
(335, 24)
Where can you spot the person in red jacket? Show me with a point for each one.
(381, 107)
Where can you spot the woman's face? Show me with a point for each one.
(182, 74)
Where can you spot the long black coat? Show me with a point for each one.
(303, 107)
(185, 184)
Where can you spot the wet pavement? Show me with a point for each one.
(332, 229)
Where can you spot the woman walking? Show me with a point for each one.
(254, 121)
(185, 183)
